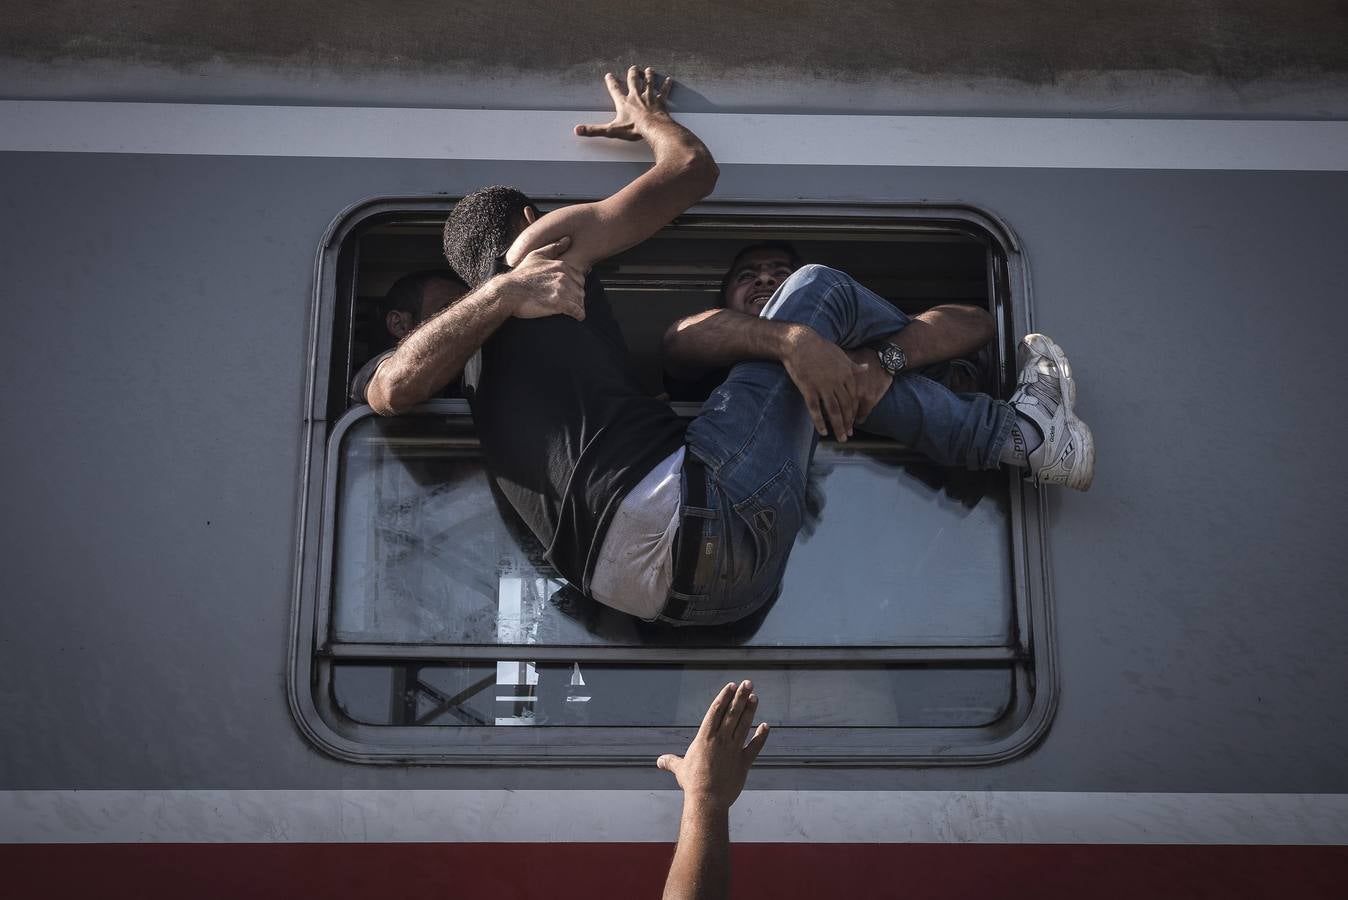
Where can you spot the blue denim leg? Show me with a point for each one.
(948, 428)
(756, 437)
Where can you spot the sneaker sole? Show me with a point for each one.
(1084, 471)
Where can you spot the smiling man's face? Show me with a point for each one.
(754, 277)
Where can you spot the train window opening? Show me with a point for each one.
(911, 625)
(677, 273)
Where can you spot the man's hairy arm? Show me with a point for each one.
(835, 393)
(939, 334)
(435, 354)
(684, 172)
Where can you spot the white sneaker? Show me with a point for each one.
(1045, 393)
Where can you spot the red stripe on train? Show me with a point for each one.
(566, 871)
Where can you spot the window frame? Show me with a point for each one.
(312, 656)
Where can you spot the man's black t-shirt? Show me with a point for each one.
(566, 428)
(697, 389)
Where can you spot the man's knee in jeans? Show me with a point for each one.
(800, 295)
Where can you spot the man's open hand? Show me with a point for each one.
(712, 770)
(826, 378)
(547, 285)
(642, 99)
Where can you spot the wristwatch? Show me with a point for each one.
(892, 358)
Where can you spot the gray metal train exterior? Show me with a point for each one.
(188, 285)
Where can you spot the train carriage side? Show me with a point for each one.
(1144, 680)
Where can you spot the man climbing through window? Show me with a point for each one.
(687, 527)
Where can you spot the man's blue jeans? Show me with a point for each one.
(756, 439)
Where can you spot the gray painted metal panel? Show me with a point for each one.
(154, 379)
(1147, 57)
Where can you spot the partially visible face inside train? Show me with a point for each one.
(416, 297)
(757, 271)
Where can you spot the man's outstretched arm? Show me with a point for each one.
(434, 355)
(711, 773)
(684, 172)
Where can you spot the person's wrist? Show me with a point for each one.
(791, 337)
(706, 803)
(506, 292)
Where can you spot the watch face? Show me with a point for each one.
(892, 358)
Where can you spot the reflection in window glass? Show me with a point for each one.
(590, 694)
(901, 553)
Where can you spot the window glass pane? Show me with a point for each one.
(571, 694)
(899, 553)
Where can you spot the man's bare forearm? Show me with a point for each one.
(682, 174)
(943, 333)
(723, 337)
(701, 867)
(681, 160)
(436, 352)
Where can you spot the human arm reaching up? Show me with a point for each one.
(435, 353)
(711, 773)
(683, 173)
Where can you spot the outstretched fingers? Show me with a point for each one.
(756, 743)
(738, 702)
(633, 80)
(716, 712)
(746, 719)
(615, 92)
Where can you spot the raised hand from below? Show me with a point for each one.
(713, 768)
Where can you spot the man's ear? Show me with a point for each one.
(398, 323)
(530, 215)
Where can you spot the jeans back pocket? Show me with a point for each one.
(773, 516)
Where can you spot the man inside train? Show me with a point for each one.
(686, 526)
(419, 299)
(949, 343)
(413, 299)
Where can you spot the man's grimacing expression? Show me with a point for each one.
(754, 278)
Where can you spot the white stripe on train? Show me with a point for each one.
(63, 816)
(60, 126)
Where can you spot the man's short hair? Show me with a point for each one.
(780, 246)
(479, 231)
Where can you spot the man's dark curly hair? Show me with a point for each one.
(478, 231)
